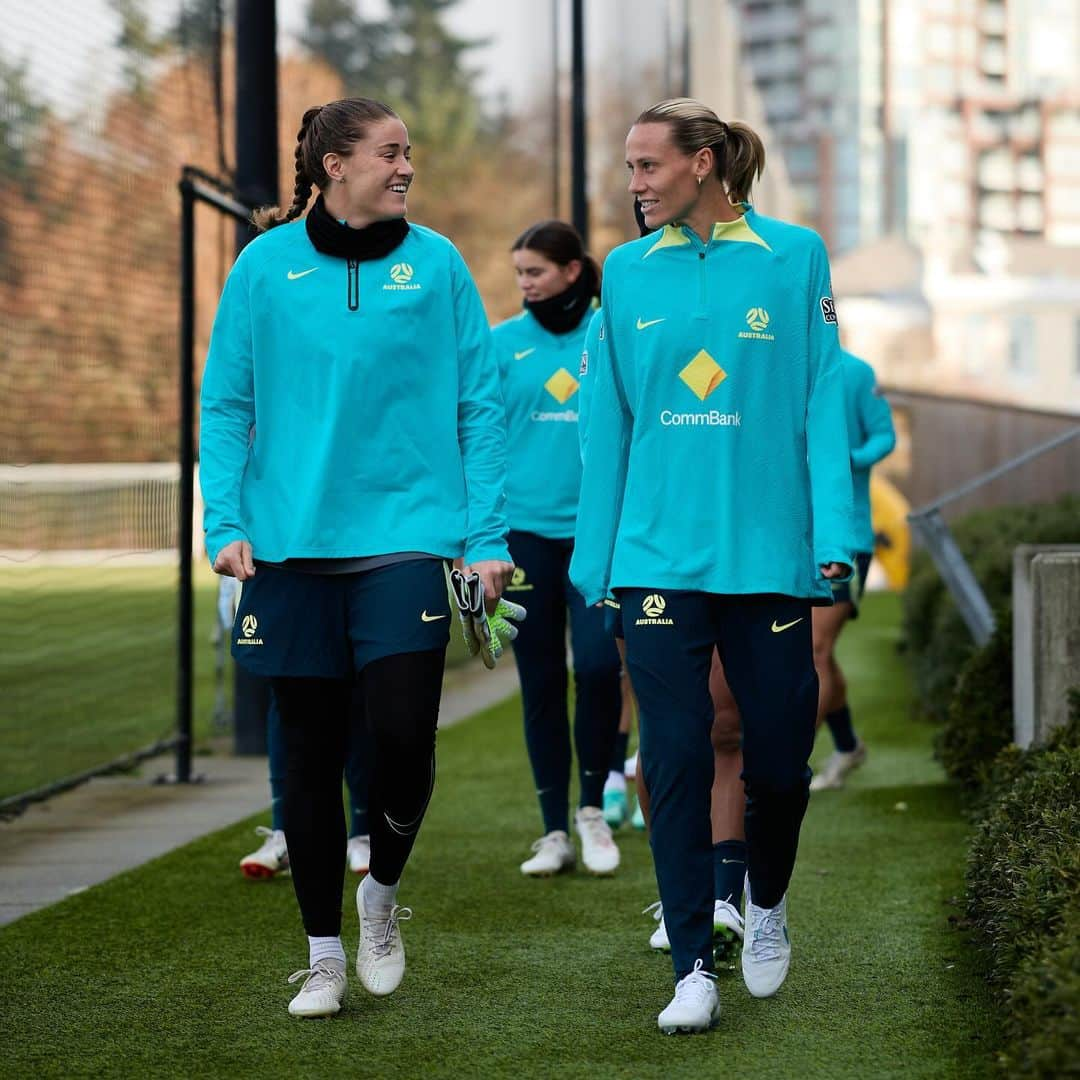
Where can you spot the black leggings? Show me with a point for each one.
(401, 696)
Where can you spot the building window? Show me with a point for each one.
(1022, 345)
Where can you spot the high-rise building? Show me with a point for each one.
(944, 120)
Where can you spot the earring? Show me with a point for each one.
(700, 181)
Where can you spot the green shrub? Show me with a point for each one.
(938, 641)
(1024, 863)
(1043, 1033)
(979, 722)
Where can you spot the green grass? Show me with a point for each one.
(178, 968)
(88, 666)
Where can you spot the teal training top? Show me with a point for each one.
(539, 373)
(352, 408)
(870, 428)
(717, 452)
(587, 365)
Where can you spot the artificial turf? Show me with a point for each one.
(178, 968)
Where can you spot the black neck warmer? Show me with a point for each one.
(561, 314)
(360, 245)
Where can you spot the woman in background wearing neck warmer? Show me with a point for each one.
(539, 355)
(352, 443)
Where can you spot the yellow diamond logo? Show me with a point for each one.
(703, 375)
(757, 318)
(562, 386)
(401, 273)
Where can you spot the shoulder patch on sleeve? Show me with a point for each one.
(828, 309)
(583, 370)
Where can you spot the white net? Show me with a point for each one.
(88, 616)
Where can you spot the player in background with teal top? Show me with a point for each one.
(539, 353)
(716, 507)
(352, 444)
(870, 429)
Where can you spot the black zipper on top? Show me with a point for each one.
(354, 284)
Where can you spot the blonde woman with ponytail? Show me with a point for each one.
(716, 509)
(352, 443)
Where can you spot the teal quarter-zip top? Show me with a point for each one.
(540, 372)
(352, 410)
(716, 454)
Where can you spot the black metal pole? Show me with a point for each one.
(256, 184)
(256, 107)
(578, 201)
(556, 110)
(184, 651)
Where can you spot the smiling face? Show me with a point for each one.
(540, 278)
(371, 182)
(664, 180)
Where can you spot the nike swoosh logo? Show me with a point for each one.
(726, 861)
(644, 325)
(303, 273)
(425, 617)
(522, 355)
(787, 626)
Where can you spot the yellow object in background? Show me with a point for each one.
(892, 548)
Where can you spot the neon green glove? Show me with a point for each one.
(486, 635)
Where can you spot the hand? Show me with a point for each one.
(835, 570)
(495, 576)
(234, 560)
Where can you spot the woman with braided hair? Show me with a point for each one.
(352, 443)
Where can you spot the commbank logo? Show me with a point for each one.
(562, 386)
(654, 606)
(703, 375)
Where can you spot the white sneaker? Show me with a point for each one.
(727, 923)
(726, 920)
(553, 854)
(323, 990)
(380, 959)
(630, 766)
(270, 859)
(359, 853)
(658, 939)
(695, 1006)
(766, 954)
(831, 777)
(598, 850)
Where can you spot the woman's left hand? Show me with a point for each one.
(495, 576)
(835, 570)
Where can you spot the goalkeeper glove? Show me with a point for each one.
(485, 634)
(228, 600)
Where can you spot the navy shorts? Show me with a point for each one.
(851, 591)
(331, 626)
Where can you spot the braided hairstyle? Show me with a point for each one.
(324, 129)
(736, 147)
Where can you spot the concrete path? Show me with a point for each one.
(114, 823)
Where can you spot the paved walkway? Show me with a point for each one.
(114, 823)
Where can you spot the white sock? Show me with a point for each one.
(615, 782)
(325, 948)
(378, 899)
